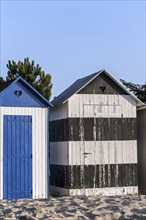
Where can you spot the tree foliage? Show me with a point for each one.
(32, 73)
(136, 89)
(2, 80)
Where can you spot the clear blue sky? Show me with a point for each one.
(72, 39)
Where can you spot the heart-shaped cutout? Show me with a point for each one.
(18, 93)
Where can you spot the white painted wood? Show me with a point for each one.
(101, 152)
(110, 191)
(130, 152)
(40, 140)
(59, 112)
(128, 106)
(46, 155)
(106, 105)
(100, 110)
(59, 153)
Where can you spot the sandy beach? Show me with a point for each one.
(76, 208)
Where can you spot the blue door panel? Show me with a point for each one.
(17, 169)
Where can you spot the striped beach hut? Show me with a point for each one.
(93, 138)
(23, 141)
(141, 137)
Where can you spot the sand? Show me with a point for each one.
(76, 208)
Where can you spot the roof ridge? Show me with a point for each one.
(91, 74)
(81, 83)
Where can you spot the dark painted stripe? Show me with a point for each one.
(98, 176)
(102, 85)
(77, 129)
(141, 142)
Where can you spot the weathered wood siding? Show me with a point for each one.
(98, 140)
(141, 117)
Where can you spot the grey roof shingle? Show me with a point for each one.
(76, 86)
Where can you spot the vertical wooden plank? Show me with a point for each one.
(22, 154)
(46, 153)
(5, 156)
(109, 175)
(82, 133)
(11, 163)
(30, 155)
(82, 143)
(18, 156)
(40, 164)
(35, 153)
(26, 154)
(28, 163)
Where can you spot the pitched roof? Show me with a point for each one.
(5, 85)
(81, 83)
(74, 88)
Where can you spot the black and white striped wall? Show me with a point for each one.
(93, 141)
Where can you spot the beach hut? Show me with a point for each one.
(23, 141)
(141, 134)
(93, 138)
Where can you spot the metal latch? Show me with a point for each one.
(85, 153)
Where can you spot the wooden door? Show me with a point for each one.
(17, 157)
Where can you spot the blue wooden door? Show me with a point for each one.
(17, 151)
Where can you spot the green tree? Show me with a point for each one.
(32, 73)
(1, 79)
(136, 89)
